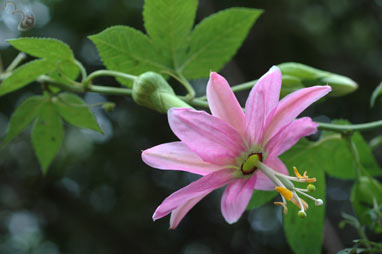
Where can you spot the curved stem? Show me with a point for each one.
(110, 90)
(351, 127)
(82, 69)
(99, 73)
(190, 90)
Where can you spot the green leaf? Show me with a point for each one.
(47, 135)
(26, 74)
(216, 39)
(43, 48)
(75, 111)
(23, 116)
(362, 195)
(169, 23)
(128, 50)
(377, 92)
(260, 198)
(305, 235)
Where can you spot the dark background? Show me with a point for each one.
(98, 196)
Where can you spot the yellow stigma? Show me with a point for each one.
(287, 194)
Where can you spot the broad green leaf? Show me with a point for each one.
(376, 93)
(25, 74)
(47, 135)
(75, 111)
(305, 235)
(216, 39)
(64, 68)
(43, 48)
(128, 50)
(23, 116)
(169, 23)
(260, 198)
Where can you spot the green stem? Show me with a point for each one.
(195, 102)
(110, 90)
(99, 73)
(190, 90)
(19, 58)
(351, 127)
(82, 69)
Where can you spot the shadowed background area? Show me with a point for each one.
(98, 196)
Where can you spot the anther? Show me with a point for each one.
(311, 188)
(301, 214)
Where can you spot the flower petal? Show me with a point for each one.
(262, 99)
(236, 197)
(291, 106)
(203, 186)
(211, 138)
(223, 103)
(177, 156)
(289, 135)
(263, 182)
(178, 214)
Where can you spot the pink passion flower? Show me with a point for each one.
(236, 149)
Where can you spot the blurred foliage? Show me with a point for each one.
(99, 196)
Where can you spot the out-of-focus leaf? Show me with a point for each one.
(216, 39)
(351, 251)
(260, 198)
(362, 195)
(128, 50)
(23, 116)
(26, 74)
(75, 111)
(377, 92)
(47, 135)
(305, 235)
(43, 48)
(168, 23)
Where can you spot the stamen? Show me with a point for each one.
(304, 177)
(297, 173)
(287, 194)
(317, 202)
(285, 208)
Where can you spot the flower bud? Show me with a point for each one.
(309, 76)
(108, 106)
(151, 90)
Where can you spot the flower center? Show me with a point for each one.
(250, 165)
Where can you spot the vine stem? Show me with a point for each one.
(19, 58)
(100, 73)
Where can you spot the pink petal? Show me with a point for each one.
(263, 182)
(262, 99)
(223, 103)
(291, 106)
(203, 186)
(178, 214)
(211, 138)
(289, 135)
(236, 197)
(177, 156)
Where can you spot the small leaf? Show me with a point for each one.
(169, 23)
(23, 116)
(75, 111)
(26, 74)
(216, 39)
(43, 48)
(377, 92)
(260, 198)
(126, 49)
(47, 135)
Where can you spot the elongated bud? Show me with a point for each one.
(151, 90)
(305, 76)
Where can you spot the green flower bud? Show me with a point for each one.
(309, 76)
(151, 90)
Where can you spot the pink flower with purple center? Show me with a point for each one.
(235, 149)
